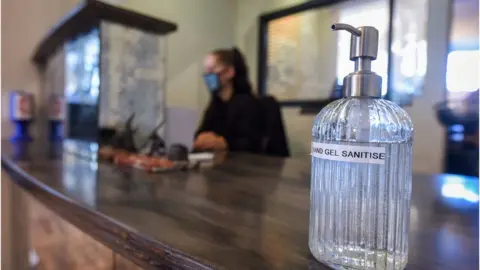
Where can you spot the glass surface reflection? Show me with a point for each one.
(82, 72)
(460, 191)
(408, 50)
(79, 178)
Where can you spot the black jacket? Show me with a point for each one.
(248, 124)
(275, 141)
(239, 121)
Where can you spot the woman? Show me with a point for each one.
(233, 119)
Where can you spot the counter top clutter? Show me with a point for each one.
(246, 212)
(122, 151)
(124, 158)
(154, 164)
(152, 156)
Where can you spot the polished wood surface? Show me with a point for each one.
(61, 246)
(15, 234)
(249, 212)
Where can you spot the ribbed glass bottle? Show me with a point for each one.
(360, 198)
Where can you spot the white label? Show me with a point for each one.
(57, 108)
(22, 107)
(349, 153)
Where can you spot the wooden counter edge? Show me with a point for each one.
(141, 250)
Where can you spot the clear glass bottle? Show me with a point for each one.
(361, 171)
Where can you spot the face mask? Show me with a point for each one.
(212, 81)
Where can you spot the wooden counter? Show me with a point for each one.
(249, 212)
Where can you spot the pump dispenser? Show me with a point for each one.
(363, 50)
(361, 170)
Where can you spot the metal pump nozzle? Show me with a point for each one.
(363, 50)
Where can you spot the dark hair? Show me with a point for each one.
(233, 57)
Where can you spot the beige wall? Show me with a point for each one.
(465, 20)
(24, 23)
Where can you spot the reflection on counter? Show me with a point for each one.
(83, 149)
(79, 177)
(460, 191)
(249, 212)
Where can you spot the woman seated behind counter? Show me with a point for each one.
(233, 119)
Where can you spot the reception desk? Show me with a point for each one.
(246, 212)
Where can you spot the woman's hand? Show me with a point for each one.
(210, 141)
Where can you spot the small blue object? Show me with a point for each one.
(56, 130)
(21, 131)
(56, 117)
(21, 107)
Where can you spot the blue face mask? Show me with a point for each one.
(212, 81)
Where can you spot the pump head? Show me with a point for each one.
(363, 50)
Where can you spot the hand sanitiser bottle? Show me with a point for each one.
(361, 170)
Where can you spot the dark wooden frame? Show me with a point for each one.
(88, 15)
(391, 6)
(263, 21)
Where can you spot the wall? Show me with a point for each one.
(19, 38)
(465, 19)
(429, 135)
